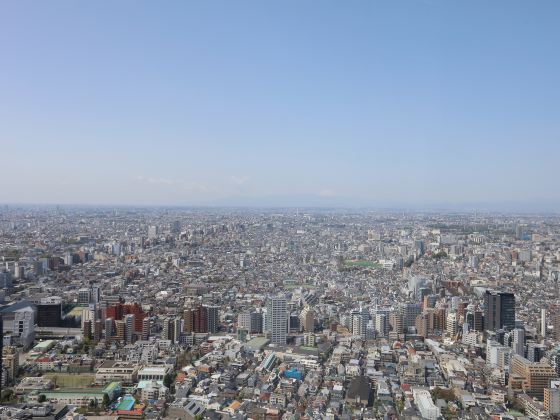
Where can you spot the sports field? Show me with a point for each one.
(68, 380)
(361, 263)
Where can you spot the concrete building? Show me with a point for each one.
(423, 400)
(535, 377)
(499, 310)
(277, 319)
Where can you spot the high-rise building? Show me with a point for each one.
(118, 312)
(256, 323)
(167, 329)
(381, 324)
(452, 325)
(129, 321)
(475, 319)
(10, 361)
(145, 328)
(188, 320)
(409, 312)
(244, 321)
(543, 322)
(396, 322)
(499, 310)
(277, 319)
(95, 294)
(120, 329)
(177, 329)
(556, 327)
(24, 327)
(307, 319)
(87, 328)
(200, 319)
(5, 280)
(108, 328)
(97, 330)
(535, 352)
(213, 318)
(359, 320)
(519, 341)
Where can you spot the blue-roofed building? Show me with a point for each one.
(293, 373)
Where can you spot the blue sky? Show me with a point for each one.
(396, 103)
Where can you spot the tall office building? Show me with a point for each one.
(177, 329)
(556, 327)
(129, 321)
(244, 321)
(250, 321)
(519, 342)
(118, 312)
(200, 319)
(452, 324)
(145, 328)
(543, 322)
(277, 319)
(535, 352)
(108, 328)
(475, 320)
(396, 322)
(167, 329)
(409, 312)
(307, 319)
(120, 328)
(499, 310)
(188, 320)
(359, 320)
(97, 330)
(257, 322)
(95, 294)
(213, 318)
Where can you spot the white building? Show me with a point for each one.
(277, 319)
(423, 400)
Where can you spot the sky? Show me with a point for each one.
(406, 104)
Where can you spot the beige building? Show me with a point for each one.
(307, 319)
(10, 361)
(111, 370)
(535, 377)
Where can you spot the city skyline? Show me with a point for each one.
(428, 106)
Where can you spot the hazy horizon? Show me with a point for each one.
(431, 104)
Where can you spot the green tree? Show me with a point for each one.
(42, 398)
